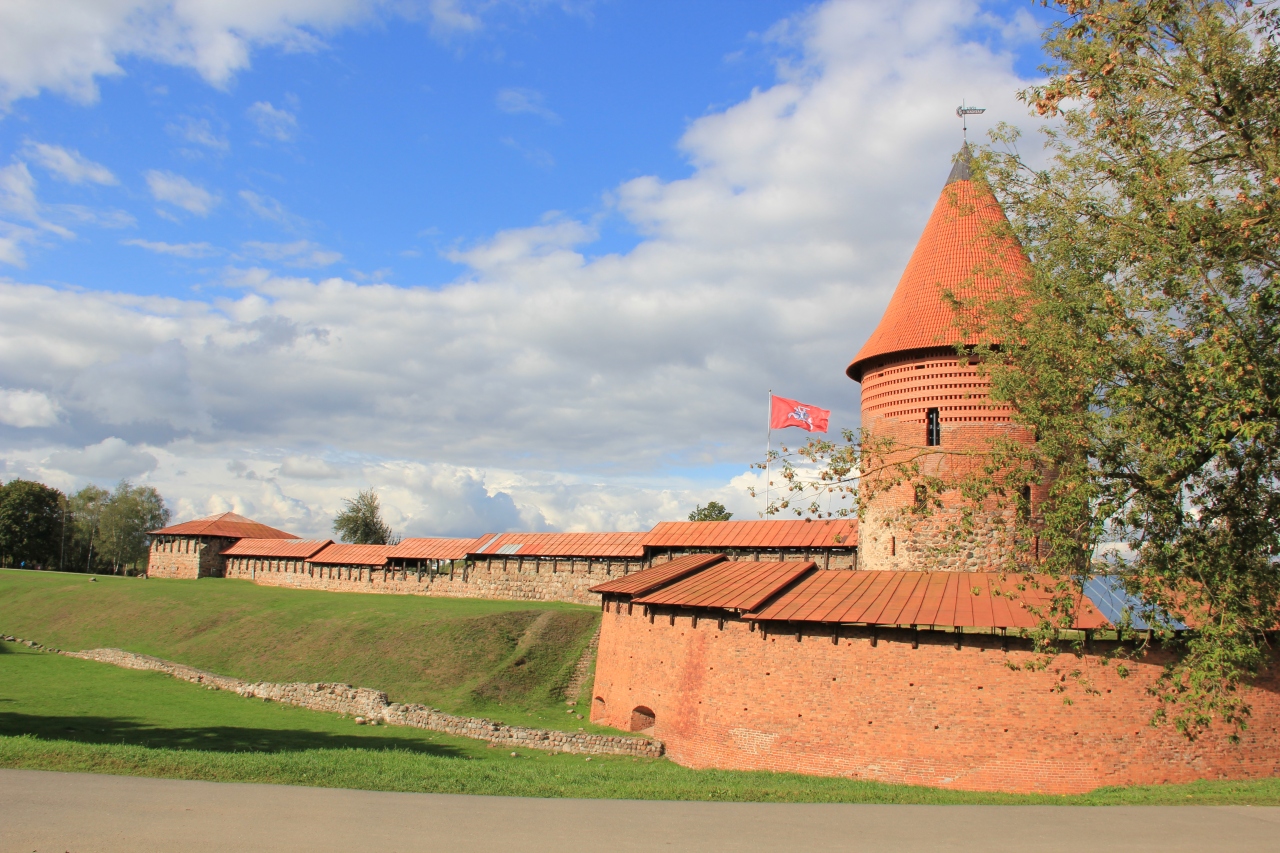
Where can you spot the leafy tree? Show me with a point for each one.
(87, 507)
(127, 514)
(361, 522)
(31, 521)
(713, 511)
(1148, 361)
(1145, 349)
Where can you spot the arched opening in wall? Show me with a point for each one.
(642, 719)
(597, 706)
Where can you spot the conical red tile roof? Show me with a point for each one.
(965, 250)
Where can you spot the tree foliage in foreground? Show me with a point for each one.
(1145, 349)
(361, 522)
(1148, 356)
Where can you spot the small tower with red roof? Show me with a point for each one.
(928, 400)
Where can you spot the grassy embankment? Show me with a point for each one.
(505, 660)
(59, 713)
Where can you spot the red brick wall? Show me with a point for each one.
(934, 715)
(896, 394)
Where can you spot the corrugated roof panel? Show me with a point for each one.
(638, 583)
(730, 586)
(433, 549)
(916, 598)
(227, 525)
(341, 554)
(1110, 596)
(284, 549)
(797, 534)
(565, 545)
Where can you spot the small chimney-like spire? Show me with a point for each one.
(960, 170)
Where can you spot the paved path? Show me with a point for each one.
(83, 813)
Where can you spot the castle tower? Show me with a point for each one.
(919, 393)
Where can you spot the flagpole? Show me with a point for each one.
(768, 451)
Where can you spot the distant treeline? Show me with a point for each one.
(93, 530)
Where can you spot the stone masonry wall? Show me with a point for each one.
(510, 579)
(372, 705)
(728, 697)
(186, 557)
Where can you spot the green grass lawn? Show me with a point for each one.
(58, 713)
(506, 660)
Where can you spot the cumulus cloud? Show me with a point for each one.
(299, 253)
(109, 459)
(308, 468)
(69, 165)
(591, 392)
(25, 409)
(180, 192)
(529, 101)
(180, 250)
(273, 122)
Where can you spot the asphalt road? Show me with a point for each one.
(82, 813)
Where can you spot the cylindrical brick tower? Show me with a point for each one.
(932, 403)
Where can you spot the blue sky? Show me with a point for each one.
(516, 264)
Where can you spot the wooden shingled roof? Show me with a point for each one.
(966, 250)
(958, 599)
(227, 525)
(788, 534)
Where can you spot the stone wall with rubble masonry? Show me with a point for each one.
(372, 705)
(508, 579)
(186, 557)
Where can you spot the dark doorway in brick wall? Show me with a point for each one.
(642, 719)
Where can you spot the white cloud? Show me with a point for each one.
(546, 386)
(300, 253)
(273, 122)
(270, 209)
(18, 201)
(24, 409)
(71, 166)
(109, 459)
(180, 192)
(199, 132)
(181, 250)
(516, 101)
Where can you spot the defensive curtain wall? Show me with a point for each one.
(892, 676)
(515, 566)
(194, 549)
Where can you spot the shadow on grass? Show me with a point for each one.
(108, 730)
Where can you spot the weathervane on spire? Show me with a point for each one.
(964, 112)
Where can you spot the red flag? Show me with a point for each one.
(792, 413)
